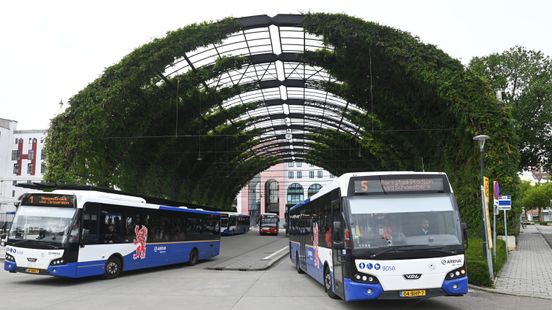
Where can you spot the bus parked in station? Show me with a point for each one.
(381, 235)
(85, 232)
(269, 224)
(233, 223)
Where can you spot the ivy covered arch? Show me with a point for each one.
(195, 115)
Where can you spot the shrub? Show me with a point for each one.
(478, 272)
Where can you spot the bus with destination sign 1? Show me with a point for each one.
(83, 231)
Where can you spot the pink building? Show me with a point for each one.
(278, 186)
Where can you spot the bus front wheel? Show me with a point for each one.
(113, 268)
(328, 283)
(194, 257)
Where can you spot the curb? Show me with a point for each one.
(265, 267)
(494, 291)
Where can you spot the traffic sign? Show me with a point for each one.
(505, 203)
(496, 189)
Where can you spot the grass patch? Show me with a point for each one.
(478, 272)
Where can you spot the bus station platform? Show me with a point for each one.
(256, 258)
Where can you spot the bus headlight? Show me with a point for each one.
(456, 273)
(366, 278)
(10, 258)
(57, 261)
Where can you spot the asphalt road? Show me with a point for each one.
(184, 287)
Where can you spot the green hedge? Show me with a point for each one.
(478, 272)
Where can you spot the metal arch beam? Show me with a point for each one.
(307, 116)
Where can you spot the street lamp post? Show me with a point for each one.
(481, 139)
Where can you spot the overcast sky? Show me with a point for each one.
(51, 49)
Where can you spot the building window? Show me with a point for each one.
(299, 174)
(31, 155)
(295, 193)
(15, 154)
(319, 173)
(13, 193)
(16, 140)
(313, 189)
(290, 175)
(42, 155)
(311, 174)
(299, 164)
(42, 168)
(290, 164)
(272, 190)
(15, 168)
(29, 168)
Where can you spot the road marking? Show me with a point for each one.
(275, 253)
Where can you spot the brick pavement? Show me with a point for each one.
(528, 270)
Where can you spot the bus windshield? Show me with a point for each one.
(43, 225)
(405, 220)
(269, 221)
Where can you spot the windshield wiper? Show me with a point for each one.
(400, 248)
(36, 242)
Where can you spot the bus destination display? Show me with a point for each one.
(402, 185)
(49, 200)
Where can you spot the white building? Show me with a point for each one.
(21, 161)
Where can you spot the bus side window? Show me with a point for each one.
(90, 228)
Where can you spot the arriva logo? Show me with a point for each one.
(412, 276)
(451, 261)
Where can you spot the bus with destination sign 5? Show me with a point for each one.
(381, 235)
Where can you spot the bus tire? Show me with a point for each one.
(194, 257)
(297, 266)
(113, 268)
(328, 283)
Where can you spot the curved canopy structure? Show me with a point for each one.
(196, 114)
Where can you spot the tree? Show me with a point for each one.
(538, 197)
(524, 77)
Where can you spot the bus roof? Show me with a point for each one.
(84, 196)
(342, 182)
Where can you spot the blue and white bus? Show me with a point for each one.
(381, 235)
(81, 233)
(232, 223)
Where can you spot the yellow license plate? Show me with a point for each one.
(415, 293)
(32, 270)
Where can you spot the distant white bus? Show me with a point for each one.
(81, 233)
(381, 235)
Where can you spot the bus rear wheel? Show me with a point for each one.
(113, 268)
(194, 257)
(328, 283)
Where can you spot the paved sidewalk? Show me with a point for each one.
(529, 268)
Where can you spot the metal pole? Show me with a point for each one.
(486, 251)
(506, 233)
(495, 210)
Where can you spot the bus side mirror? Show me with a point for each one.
(465, 234)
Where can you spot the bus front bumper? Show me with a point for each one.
(66, 271)
(355, 291)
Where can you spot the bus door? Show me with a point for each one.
(338, 247)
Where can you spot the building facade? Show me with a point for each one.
(21, 161)
(281, 186)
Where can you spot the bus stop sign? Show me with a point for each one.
(505, 203)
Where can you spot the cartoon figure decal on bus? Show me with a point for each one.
(315, 245)
(141, 242)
